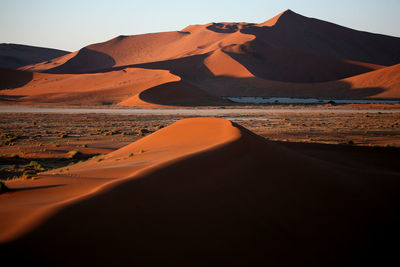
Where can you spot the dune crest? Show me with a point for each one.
(289, 55)
(179, 140)
(202, 191)
(274, 20)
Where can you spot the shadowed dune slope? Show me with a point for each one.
(287, 56)
(50, 64)
(308, 50)
(13, 79)
(208, 192)
(13, 56)
(297, 32)
(287, 65)
(382, 83)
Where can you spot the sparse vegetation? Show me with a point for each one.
(21, 143)
(143, 132)
(350, 142)
(74, 154)
(63, 135)
(36, 165)
(3, 187)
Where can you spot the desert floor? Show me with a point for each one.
(60, 140)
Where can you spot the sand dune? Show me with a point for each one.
(297, 32)
(145, 87)
(322, 43)
(84, 89)
(50, 64)
(287, 65)
(382, 83)
(205, 192)
(13, 56)
(287, 56)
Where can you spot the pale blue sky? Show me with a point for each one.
(73, 24)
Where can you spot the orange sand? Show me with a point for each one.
(206, 192)
(287, 56)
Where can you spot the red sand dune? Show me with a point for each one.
(289, 32)
(297, 32)
(42, 66)
(207, 192)
(13, 56)
(287, 56)
(382, 83)
(84, 89)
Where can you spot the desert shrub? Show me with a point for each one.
(36, 165)
(143, 132)
(74, 154)
(63, 135)
(3, 187)
(350, 142)
(14, 156)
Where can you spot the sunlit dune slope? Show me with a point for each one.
(204, 192)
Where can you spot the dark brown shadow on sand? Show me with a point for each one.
(87, 60)
(254, 86)
(180, 93)
(193, 71)
(191, 67)
(287, 65)
(323, 38)
(320, 215)
(10, 79)
(223, 27)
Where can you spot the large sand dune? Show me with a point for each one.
(207, 192)
(287, 56)
(383, 83)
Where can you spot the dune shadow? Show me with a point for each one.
(190, 67)
(287, 65)
(223, 27)
(326, 39)
(251, 208)
(87, 60)
(180, 93)
(10, 79)
(254, 86)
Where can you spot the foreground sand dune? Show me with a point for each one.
(206, 192)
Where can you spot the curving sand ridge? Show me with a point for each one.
(45, 65)
(381, 83)
(288, 56)
(221, 64)
(84, 89)
(203, 192)
(174, 142)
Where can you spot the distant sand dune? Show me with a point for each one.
(289, 55)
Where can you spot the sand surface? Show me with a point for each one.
(207, 192)
(287, 56)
